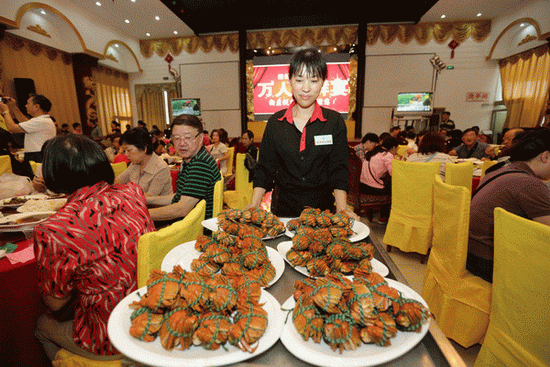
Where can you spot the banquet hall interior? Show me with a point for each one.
(127, 60)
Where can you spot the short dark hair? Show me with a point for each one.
(468, 130)
(187, 120)
(42, 101)
(447, 113)
(73, 161)
(65, 125)
(370, 137)
(249, 133)
(157, 143)
(432, 142)
(530, 144)
(394, 128)
(139, 138)
(75, 125)
(308, 61)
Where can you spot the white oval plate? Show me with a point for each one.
(37, 196)
(184, 254)
(366, 354)
(285, 246)
(153, 354)
(360, 231)
(212, 224)
(19, 226)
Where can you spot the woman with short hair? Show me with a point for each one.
(146, 169)
(86, 252)
(430, 149)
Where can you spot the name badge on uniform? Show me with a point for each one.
(323, 140)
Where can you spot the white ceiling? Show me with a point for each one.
(141, 14)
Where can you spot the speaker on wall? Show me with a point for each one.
(24, 87)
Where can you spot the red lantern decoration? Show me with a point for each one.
(453, 44)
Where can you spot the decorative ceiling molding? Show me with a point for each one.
(34, 5)
(124, 44)
(530, 21)
(38, 29)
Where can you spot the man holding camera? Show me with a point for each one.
(39, 128)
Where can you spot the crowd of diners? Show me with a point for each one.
(303, 160)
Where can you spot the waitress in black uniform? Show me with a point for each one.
(304, 152)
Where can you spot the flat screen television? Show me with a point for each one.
(188, 106)
(415, 103)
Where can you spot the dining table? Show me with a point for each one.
(434, 349)
(20, 303)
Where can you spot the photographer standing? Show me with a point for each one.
(39, 128)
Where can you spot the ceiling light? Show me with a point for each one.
(157, 18)
(522, 25)
(148, 34)
(443, 16)
(478, 14)
(175, 32)
(42, 12)
(133, 1)
(98, 3)
(116, 45)
(126, 21)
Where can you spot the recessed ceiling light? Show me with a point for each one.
(42, 12)
(443, 16)
(116, 45)
(157, 18)
(478, 14)
(98, 3)
(522, 25)
(148, 34)
(133, 1)
(126, 21)
(175, 32)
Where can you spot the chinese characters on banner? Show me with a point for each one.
(272, 90)
(477, 96)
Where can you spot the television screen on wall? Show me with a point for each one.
(188, 106)
(414, 102)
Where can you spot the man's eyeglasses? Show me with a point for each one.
(184, 139)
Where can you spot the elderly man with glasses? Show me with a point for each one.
(196, 178)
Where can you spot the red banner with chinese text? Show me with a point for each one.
(272, 90)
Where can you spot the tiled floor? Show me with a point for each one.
(411, 268)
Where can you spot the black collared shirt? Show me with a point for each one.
(322, 165)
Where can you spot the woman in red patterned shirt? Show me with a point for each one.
(87, 251)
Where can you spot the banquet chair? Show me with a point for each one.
(362, 204)
(119, 167)
(218, 198)
(460, 301)
(153, 246)
(410, 224)
(460, 174)
(486, 165)
(518, 333)
(34, 166)
(5, 164)
(241, 196)
(64, 358)
(402, 151)
(230, 160)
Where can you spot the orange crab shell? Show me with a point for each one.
(145, 324)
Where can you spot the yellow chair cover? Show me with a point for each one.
(119, 167)
(241, 196)
(460, 301)
(230, 158)
(519, 329)
(486, 165)
(218, 198)
(153, 246)
(64, 358)
(5, 164)
(34, 166)
(410, 224)
(460, 174)
(402, 150)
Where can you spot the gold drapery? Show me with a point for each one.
(112, 97)
(150, 103)
(525, 85)
(50, 69)
(385, 33)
